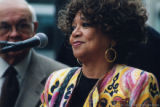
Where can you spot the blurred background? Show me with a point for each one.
(46, 11)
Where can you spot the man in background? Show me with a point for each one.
(31, 69)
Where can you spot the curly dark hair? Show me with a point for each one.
(123, 20)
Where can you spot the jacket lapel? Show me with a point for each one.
(32, 86)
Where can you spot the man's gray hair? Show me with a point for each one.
(33, 13)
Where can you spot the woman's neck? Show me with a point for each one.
(96, 69)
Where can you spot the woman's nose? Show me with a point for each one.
(76, 32)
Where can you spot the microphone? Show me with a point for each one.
(40, 40)
(5, 43)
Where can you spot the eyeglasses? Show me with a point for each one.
(22, 27)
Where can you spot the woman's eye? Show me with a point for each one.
(86, 24)
(73, 27)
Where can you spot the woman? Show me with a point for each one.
(102, 34)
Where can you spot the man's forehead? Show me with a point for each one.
(13, 4)
(13, 9)
(13, 1)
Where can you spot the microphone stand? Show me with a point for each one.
(5, 44)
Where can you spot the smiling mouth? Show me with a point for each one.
(77, 43)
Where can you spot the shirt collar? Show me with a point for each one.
(21, 67)
(3, 67)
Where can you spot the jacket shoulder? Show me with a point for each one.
(44, 64)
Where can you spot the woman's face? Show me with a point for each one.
(87, 41)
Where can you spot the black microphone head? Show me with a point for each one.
(43, 39)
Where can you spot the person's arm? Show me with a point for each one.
(146, 92)
(52, 87)
(44, 95)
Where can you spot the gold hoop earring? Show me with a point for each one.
(79, 62)
(110, 55)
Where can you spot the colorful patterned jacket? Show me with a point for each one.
(122, 86)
